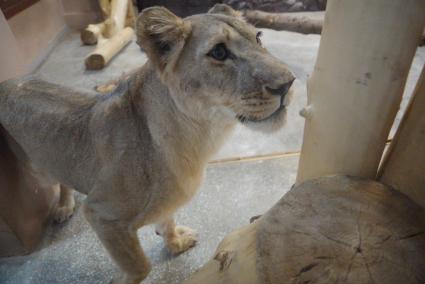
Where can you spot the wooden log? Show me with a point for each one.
(93, 32)
(356, 87)
(404, 164)
(236, 253)
(300, 22)
(108, 48)
(130, 20)
(342, 230)
(117, 17)
(105, 7)
(90, 35)
(327, 230)
(131, 16)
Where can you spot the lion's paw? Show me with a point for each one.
(63, 213)
(183, 239)
(128, 279)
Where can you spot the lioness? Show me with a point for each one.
(140, 152)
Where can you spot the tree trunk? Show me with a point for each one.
(404, 164)
(356, 87)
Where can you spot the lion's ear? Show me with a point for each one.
(224, 10)
(161, 34)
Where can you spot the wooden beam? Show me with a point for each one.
(300, 22)
(92, 33)
(105, 7)
(108, 48)
(356, 87)
(117, 17)
(404, 164)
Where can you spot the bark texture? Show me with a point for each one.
(357, 85)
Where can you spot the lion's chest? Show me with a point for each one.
(171, 195)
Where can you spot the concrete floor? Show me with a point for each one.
(229, 196)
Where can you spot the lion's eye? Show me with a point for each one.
(259, 34)
(219, 52)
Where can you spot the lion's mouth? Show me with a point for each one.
(246, 118)
(242, 118)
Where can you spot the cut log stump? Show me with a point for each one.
(327, 230)
(92, 33)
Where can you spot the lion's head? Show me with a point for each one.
(216, 62)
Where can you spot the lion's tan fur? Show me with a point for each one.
(140, 152)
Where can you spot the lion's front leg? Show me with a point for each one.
(66, 205)
(177, 238)
(120, 240)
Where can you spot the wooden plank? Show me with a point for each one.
(404, 164)
(356, 87)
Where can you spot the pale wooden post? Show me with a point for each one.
(357, 84)
(404, 164)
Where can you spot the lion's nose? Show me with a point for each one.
(281, 89)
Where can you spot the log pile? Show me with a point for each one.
(110, 35)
